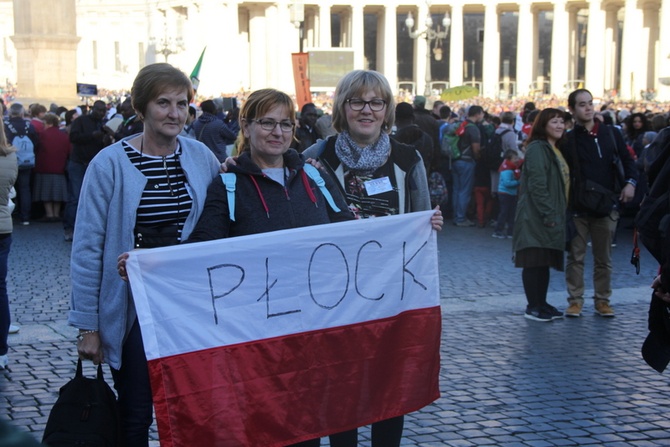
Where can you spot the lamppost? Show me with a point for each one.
(297, 11)
(167, 45)
(431, 35)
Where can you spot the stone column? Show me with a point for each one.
(595, 50)
(45, 38)
(663, 56)
(387, 47)
(632, 53)
(491, 58)
(357, 36)
(651, 23)
(559, 49)
(456, 46)
(526, 53)
(324, 26)
(257, 48)
(215, 71)
(278, 52)
(611, 45)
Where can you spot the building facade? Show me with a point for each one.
(505, 48)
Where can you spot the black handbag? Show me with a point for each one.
(596, 199)
(85, 414)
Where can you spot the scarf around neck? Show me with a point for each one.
(363, 160)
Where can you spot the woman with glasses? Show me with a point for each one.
(378, 177)
(272, 189)
(144, 191)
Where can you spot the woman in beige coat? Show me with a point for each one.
(8, 172)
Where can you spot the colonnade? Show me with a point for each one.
(249, 43)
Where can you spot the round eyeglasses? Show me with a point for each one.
(357, 104)
(270, 124)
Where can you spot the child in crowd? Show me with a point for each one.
(510, 172)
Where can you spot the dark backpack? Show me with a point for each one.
(492, 155)
(85, 414)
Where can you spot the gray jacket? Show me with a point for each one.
(110, 195)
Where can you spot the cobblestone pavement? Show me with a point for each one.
(505, 381)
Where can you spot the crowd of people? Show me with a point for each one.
(143, 172)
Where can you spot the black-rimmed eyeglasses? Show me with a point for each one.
(270, 124)
(357, 104)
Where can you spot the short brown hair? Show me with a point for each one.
(354, 84)
(152, 80)
(36, 109)
(52, 119)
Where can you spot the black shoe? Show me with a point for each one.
(551, 310)
(537, 314)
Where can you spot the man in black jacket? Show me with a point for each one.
(592, 151)
(213, 132)
(88, 136)
(306, 133)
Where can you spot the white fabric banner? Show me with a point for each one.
(204, 295)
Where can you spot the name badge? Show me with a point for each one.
(378, 186)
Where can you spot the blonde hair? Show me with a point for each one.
(258, 104)
(5, 147)
(353, 85)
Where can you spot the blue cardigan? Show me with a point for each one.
(108, 203)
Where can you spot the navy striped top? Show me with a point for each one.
(165, 200)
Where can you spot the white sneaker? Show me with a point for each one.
(14, 328)
(4, 361)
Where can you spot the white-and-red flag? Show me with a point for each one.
(275, 338)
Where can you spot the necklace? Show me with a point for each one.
(165, 167)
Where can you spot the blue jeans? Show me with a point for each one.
(463, 173)
(134, 389)
(5, 244)
(25, 202)
(75, 177)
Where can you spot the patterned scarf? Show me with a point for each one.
(362, 160)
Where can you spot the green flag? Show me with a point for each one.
(195, 74)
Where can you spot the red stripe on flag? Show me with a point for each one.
(288, 389)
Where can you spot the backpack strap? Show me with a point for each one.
(229, 180)
(313, 173)
(202, 129)
(11, 128)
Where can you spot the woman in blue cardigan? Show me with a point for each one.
(144, 191)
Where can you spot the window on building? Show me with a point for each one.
(142, 59)
(117, 56)
(95, 55)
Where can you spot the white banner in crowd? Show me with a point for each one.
(357, 296)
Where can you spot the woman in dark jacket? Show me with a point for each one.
(272, 189)
(539, 229)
